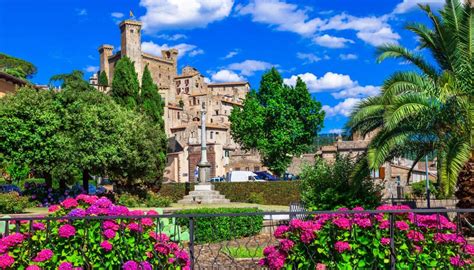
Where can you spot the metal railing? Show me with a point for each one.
(236, 240)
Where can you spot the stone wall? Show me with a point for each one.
(195, 156)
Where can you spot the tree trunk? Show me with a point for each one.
(48, 180)
(62, 184)
(465, 192)
(85, 181)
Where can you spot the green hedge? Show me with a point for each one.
(12, 203)
(273, 193)
(222, 228)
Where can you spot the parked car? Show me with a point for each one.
(217, 179)
(290, 177)
(242, 176)
(264, 175)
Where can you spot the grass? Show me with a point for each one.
(244, 252)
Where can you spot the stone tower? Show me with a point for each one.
(105, 51)
(131, 43)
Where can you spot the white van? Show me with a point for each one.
(241, 176)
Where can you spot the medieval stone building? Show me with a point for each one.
(185, 95)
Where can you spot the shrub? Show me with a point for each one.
(156, 200)
(330, 186)
(360, 241)
(274, 192)
(41, 195)
(128, 200)
(9, 188)
(256, 198)
(418, 190)
(92, 244)
(12, 203)
(222, 228)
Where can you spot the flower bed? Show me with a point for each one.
(76, 243)
(345, 241)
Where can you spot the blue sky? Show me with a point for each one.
(330, 44)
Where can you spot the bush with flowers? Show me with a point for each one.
(71, 242)
(362, 241)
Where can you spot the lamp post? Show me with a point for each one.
(204, 166)
(427, 183)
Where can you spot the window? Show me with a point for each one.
(186, 82)
(131, 31)
(247, 168)
(178, 115)
(212, 121)
(212, 135)
(217, 112)
(237, 169)
(226, 153)
(256, 168)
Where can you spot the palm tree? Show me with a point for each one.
(430, 110)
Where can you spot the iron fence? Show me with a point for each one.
(238, 241)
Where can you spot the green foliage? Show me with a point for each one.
(16, 67)
(328, 186)
(273, 193)
(103, 80)
(428, 110)
(128, 200)
(12, 203)
(244, 252)
(222, 228)
(418, 190)
(17, 172)
(279, 121)
(156, 200)
(256, 198)
(125, 86)
(152, 103)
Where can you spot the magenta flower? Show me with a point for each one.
(43, 255)
(54, 208)
(162, 248)
(363, 222)
(6, 261)
(78, 212)
(103, 202)
(415, 236)
(280, 231)
(469, 249)
(145, 266)
(106, 245)
(66, 266)
(66, 231)
(286, 245)
(402, 225)
(320, 266)
(342, 223)
(134, 227)
(130, 265)
(38, 226)
(147, 222)
(87, 199)
(33, 267)
(384, 224)
(385, 241)
(457, 261)
(109, 233)
(159, 236)
(110, 224)
(341, 246)
(69, 203)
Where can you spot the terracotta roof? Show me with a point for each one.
(231, 102)
(227, 84)
(9, 78)
(414, 169)
(174, 107)
(154, 57)
(197, 95)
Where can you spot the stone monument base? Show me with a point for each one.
(204, 194)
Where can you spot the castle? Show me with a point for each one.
(184, 95)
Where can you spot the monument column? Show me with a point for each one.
(204, 168)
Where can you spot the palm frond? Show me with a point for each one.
(453, 158)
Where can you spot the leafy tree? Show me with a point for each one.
(103, 80)
(16, 67)
(151, 101)
(279, 121)
(327, 186)
(125, 86)
(431, 107)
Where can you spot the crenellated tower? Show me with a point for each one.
(131, 43)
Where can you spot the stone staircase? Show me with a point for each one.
(204, 194)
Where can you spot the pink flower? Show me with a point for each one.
(130, 265)
(145, 266)
(106, 245)
(402, 225)
(384, 224)
(385, 241)
(38, 226)
(147, 222)
(66, 231)
(103, 202)
(280, 231)
(286, 245)
(69, 203)
(342, 223)
(469, 249)
(363, 222)
(87, 199)
(110, 224)
(456, 261)
(307, 236)
(109, 233)
(134, 227)
(66, 266)
(341, 246)
(43, 255)
(33, 267)
(6, 261)
(415, 236)
(417, 248)
(159, 236)
(13, 239)
(162, 248)
(320, 266)
(54, 208)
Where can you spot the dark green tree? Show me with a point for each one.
(279, 121)
(103, 80)
(151, 102)
(16, 67)
(125, 86)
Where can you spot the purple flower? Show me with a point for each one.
(146, 266)
(106, 245)
(78, 212)
(103, 202)
(130, 265)
(43, 255)
(66, 231)
(341, 246)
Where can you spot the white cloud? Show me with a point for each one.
(330, 81)
(207, 80)
(174, 14)
(348, 56)
(91, 69)
(231, 54)
(183, 49)
(284, 16)
(342, 108)
(117, 15)
(81, 12)
(308, 57)
(249, 67)
(408, 5)
(172, 37)
(226, 75)
(357, 91)
(336, 131)
(331, 41)
(373, 30)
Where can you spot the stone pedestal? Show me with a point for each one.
(204, 194)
